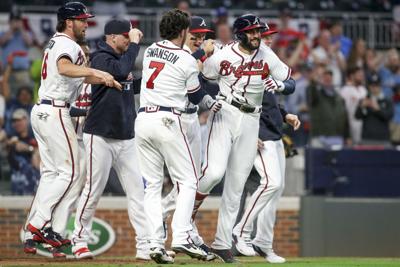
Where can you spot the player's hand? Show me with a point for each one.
(208, 47)
(108, 79)
(293, 120)
(216, 106)
(260, 144)
(271, 85)
(135, 35)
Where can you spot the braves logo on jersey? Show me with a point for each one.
(248, 69)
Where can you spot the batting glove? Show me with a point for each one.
(272, 85)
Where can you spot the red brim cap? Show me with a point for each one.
(268, 33)
(84, 16)
(252, 27)
(126, 34)
(200, 30)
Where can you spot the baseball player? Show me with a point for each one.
(242, 69)
(78, 112)
(63, 73)
(190, 120)
(169, 81)
(108, 136)
(270, 164)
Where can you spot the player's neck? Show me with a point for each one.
(244, 50)
(177, 41)
(70, 34)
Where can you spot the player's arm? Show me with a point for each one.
(120, 68)
(198, 95)
(280, 75)
(92, 76)
(284, 87)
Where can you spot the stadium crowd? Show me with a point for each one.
(347, 94)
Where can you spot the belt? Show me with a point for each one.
(153, 109)
(190, 110)
(245, 108)
(55, 103)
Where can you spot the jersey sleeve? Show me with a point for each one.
(68, 48)
(210, 67)
(192, 75)
(278, 70)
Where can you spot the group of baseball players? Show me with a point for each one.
(86, 123)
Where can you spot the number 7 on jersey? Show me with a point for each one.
(158, 66)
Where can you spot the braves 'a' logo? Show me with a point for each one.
(247, 69)
(203, 23)
(43, 115)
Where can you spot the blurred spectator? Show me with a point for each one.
(352, 93)
(372, 62)
(22, 156)
(221, 16)
(297, 104)
(17, 39)
(375, 110)
(2, 107)
(291, 45)
(357, 55)
(395, 124)
(328, 115)
(330, 55)
(184, 6)
(390, 73)
(337, 36)
(22, 101)
(223, 34)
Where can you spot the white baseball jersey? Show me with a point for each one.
(241, 74)
(176, 68)
(54, 85)
(84, 101)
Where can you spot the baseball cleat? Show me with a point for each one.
(30, 246)
(159, 255)
(57, 253)
(269, 255)
(224, 255)
(210, 256)
(190, 249)
(243, 246)
(143, 255)
(82, 253)
(64, 241)
(46, 236)
(171, 253)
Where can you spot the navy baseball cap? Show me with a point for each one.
(267, 30)
(198, 25)
(117, 26)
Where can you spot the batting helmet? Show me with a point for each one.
(73, 10)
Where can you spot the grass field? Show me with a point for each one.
(186, 262)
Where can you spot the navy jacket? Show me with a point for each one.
(273, 114)
(112, 113)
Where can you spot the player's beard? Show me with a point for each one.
(78, 33)
(249, 44)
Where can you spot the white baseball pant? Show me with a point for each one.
(270, 165)
(231, 150)
(65, 208)
(160, 138)
(58, 148)
(191, 127)
(102, 154)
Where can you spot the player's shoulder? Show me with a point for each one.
(62, 42)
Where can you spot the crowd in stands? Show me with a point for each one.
(347, 94)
